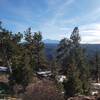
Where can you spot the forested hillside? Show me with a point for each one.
(91, 49)
(37, 70)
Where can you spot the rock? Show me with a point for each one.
(82, 98)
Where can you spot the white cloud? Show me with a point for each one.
(90, 33)
(52, 22)
(53, 25)
(14, 26)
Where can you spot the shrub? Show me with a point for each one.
(43, 90)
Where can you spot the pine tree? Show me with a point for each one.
(75, 37)
(63, 53)
(81, 60)
(22, 73)
(40, 60)
(9, 46)
(35, 48)
(73, 50)
(15, 57)
(73, 84)
(96, 65)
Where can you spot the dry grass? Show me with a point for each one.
(42, 90)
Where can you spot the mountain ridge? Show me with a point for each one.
(51, 41)
(91, 49)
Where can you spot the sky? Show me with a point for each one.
(56, 19)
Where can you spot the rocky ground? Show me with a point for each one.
(85, 98)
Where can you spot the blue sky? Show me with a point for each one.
(54, 18)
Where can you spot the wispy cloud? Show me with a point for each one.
(53, 25)
(90, 33)
(55, 18)
(88, 24)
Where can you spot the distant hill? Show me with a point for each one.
(91, 49)
(49, 41)
(50, 49)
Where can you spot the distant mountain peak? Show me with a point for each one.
(51, 41)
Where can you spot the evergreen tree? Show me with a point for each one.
(9, 46)
(81, 60)
(71, 49)
(22, 71)
(75, 37)
(63, 53)
(96, 65)
(35, 48)
(73, 84)
(15, 57)
(40, 58)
